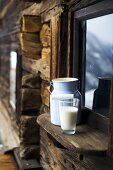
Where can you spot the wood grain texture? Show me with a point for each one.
(34, 48)
(32, 37)
(54, 157)
(31, 81)
(26, 164)
(31, 23)
(37, 9)
(86, 140)
(36, 66)
(7, 162)
(47, 15)
(45, 35)
(31, 99)
(45, 94)
(30, 44)
(46, 52)
(55, 26)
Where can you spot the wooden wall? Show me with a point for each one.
(40, 32)
(33, 32)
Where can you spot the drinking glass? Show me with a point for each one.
(68, 110)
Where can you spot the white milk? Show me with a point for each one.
(68, 117)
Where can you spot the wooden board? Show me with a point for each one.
(36, 66)
(24, 164)
(53, 157)
(31, 99)
(30, 44)
(7, 162)
(31, 23)
(32, 37)
(85, 141)
(55, 31)
(45, 35)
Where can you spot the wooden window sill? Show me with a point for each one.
(86, 140)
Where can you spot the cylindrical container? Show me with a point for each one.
(102, 96)
(63, 88)
(68, 109)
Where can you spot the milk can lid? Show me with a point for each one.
(65, 79)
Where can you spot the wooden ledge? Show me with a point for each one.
(85, 141)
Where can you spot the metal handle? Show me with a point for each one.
(51, 85)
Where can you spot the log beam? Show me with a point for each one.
(31, 23)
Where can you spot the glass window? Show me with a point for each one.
(99, 63)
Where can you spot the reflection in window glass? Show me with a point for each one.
(99, 63)
(13, 62)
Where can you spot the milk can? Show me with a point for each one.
(63, 88)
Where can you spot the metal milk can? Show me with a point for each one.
(63, 88)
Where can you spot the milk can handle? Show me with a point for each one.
(78, 85)
(51, 85)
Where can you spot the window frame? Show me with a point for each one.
(78, 37)
(99, 9)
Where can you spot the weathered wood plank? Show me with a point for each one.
(31, 99)
(55, 158)
(32, 55)
(7, 162)
(31, 23)
(29, 131)
(46, 52)
(86, 140)
(45, 94)
(55, 31)
(90, 162)
(52, 156)
(37, 9)
(29, 47)
(32, 37)
(31, 81)
(24, 164)
(36, 66)
(95, 120)
(47, 15)
(45, 35)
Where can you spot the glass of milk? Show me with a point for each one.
(68, 109)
